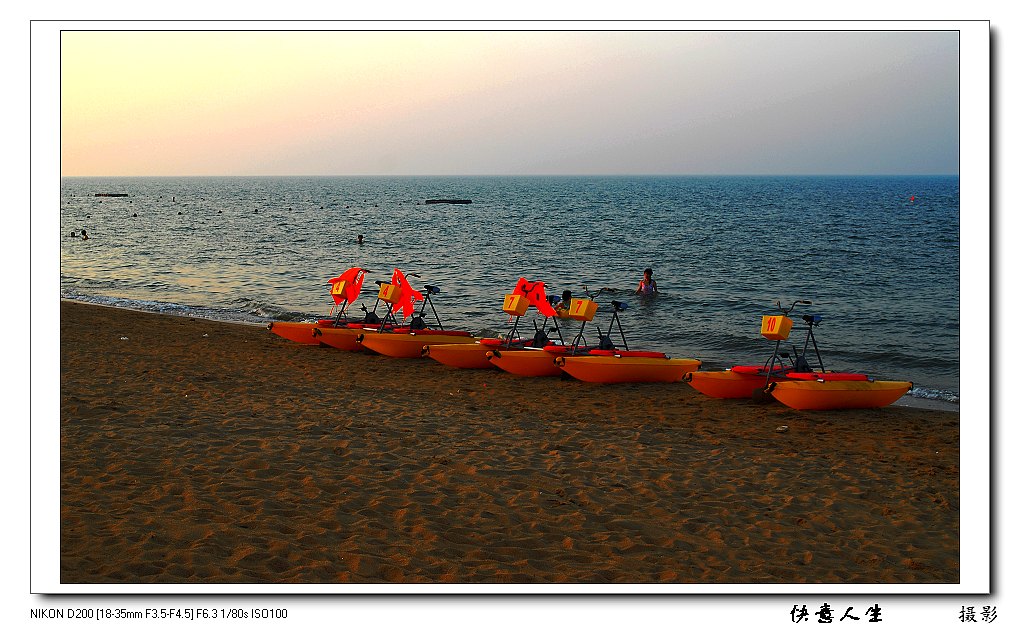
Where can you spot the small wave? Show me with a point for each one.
(286, 316)
(253, 313)
(934, 394)
(135, 304)
(265, 311)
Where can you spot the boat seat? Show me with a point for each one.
(540, 339)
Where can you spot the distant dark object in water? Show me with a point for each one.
(448, 201)
(180, 213)
(74, 235)
(134, 215)
(113, 195)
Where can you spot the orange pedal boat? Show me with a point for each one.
(469, 356)
(823, 394)
(796, 385)
(527, 362)
(342, 338)
(409, 345)
(726, 383)
(609, 364)
(626, 366)
(541, 361)
(475, 355)
(741, 381)
(344, 289)
(299, 332)
(406, 342)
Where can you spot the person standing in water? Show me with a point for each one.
(647, 285)
(361, 239)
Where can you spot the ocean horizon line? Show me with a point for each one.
(564, 175)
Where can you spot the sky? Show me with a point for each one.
(181, 103)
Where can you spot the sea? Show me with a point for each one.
(878, 257)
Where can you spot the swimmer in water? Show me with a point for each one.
(647, 285)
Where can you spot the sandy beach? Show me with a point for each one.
(204, 452)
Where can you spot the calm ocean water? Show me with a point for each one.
(882, 269)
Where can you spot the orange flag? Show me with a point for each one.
(535, 292)
(408, 296)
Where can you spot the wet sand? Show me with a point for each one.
(203, 452)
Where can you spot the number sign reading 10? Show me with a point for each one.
(776, 327)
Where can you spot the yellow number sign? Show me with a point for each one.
(389, 293)
(515, 304)
(776, 327)
(582, 309)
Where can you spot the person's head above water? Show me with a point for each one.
(647, 285)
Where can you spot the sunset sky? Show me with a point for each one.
(492, 102)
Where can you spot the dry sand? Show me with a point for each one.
(204, 452)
